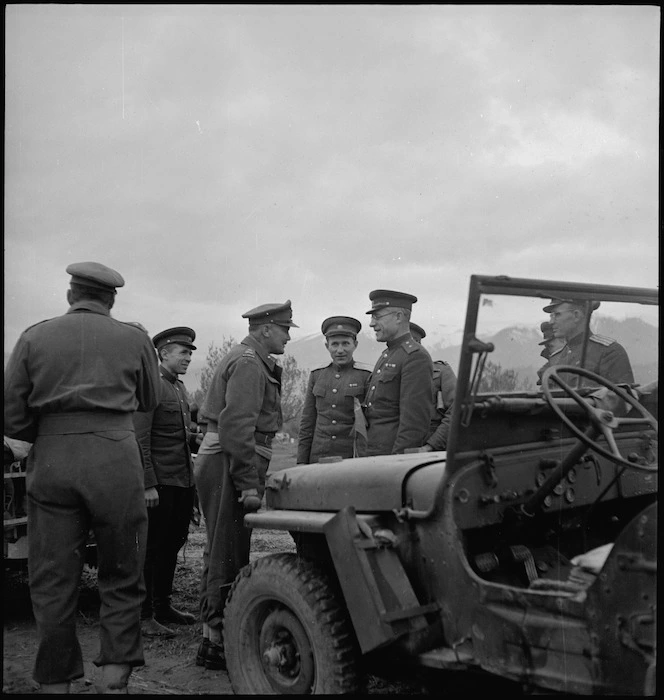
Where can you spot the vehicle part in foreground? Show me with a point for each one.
(527, 550)
(285, 631)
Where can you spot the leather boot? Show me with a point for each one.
(54, 688)
(114, 679)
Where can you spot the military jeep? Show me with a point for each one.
(526, 551)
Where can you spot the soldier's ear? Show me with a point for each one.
(69, 297)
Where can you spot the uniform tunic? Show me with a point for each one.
(604, 356)
(444, 387)
(328, 414)
(398, 401)
(72, 384)
(163, 436)
(242, 408)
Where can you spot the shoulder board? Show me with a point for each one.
(440, 362)
(323, 366)
(602, 339)
(410, 345)
(363, 366)
(249, 352)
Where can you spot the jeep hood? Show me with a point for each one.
(368, 484)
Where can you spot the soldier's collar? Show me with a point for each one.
(397, 341)
(172, 378)
(89, 305)
(260, 351)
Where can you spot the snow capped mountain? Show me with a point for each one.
(516, 347)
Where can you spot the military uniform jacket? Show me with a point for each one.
(398, 401)
(604, 356)
(163, 436)
(444, 388)
(326, 426)
(243, 403)
(84, 361)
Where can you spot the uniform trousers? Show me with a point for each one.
(168, 528)
(78, 482)
(228, 540)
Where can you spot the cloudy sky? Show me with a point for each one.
(224, 156)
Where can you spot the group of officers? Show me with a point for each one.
(112, 439)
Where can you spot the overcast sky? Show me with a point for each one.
(221, 157)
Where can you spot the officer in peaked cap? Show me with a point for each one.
(444, 391)
(70, 382)
(557, 301)
(398, 402)
(96, 275)
(603, 355)
(180, 335)
(383, 298)
(332, 402)
(164, 436)
(279, 314)
(242, 409)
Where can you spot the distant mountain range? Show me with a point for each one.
(516, 348)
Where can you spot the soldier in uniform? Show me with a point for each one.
(334, 393)
(603, 356)
(164, 438)
(398, 401)
(242, 409)
(444, 388)
(72, 385)
(552, 346)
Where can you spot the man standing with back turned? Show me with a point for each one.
(163, 436)
(242, 409)
(398, 402)
(72, 385)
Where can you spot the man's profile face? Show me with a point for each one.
(341, 349)
(385, 323)
(565, 320)
(277, 338)
(176, 358)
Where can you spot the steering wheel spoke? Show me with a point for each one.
(603, 420)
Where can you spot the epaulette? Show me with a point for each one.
(363, 366)
(323, 366)
(410, 345)
(440, 362)
(602, 339)
(249, 352)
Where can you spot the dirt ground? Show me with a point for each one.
(169, 664)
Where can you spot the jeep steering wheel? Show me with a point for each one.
(603, 420)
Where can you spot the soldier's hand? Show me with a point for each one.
(151, 497)
(250, 500)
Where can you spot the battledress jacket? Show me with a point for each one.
(604, 356)
(163, 436)
(328, 414)
(398, 401)
(243, 404)
(84, 361)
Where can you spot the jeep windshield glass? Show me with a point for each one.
(513, 325)
(504, 353)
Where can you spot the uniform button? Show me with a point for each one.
(334, 405)
(334, 422)
(334, 437)
(370, 403)
(378, 372)
(337, 376)
(334, 391)
(372, 388)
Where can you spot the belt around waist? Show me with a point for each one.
(260, 438)
(84, 422)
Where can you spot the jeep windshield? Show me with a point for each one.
(503, 356)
